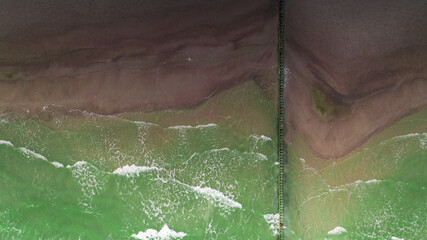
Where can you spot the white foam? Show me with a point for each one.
(180, 127)
(261, 137)
(216, 196)
(88, 114)
(273, 220)
(423, 141)
(422, 137)
(57, 164)
(133, 170)
(144, 123)
(337, 230)
(373, 181)
(164, 234)
(408, 135)
(189, 126)
(29, 152)
(396, 238)
(265, 138)
(4, 142)
(209, 194)
(262, 156)
(16, 229)
(220, 149)
(206, 125)
(32, 153)
(78, 164)
(52, 105)
(367, 181)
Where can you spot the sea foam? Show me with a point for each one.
(6, 143)
(273, 220)
(216, 196)
(57, 164)
(220, 149)
(337, 230)
(133, 170)
(265, 138)
(407, 135)
(180, 127)
(206, 125)
(78, 164)
(32, 153)
(198, 126)
(261, 137)
(164, 234)
(373, 181)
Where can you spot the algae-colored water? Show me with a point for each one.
(78, 175)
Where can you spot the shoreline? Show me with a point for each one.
(249, 101)
(398, 128)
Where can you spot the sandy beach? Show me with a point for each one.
(134, 57)
(354, 72)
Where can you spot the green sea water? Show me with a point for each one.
(377, 193)
(78, 175)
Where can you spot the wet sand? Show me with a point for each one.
(114, 57)
(354, 69)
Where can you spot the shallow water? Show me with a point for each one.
(80, 175)
(378, 193)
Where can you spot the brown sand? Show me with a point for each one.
(117, 56)
(355, 68)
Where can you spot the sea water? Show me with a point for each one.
(377, 193)
(79, 175)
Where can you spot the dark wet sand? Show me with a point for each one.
(366, 60)
(117, 56)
